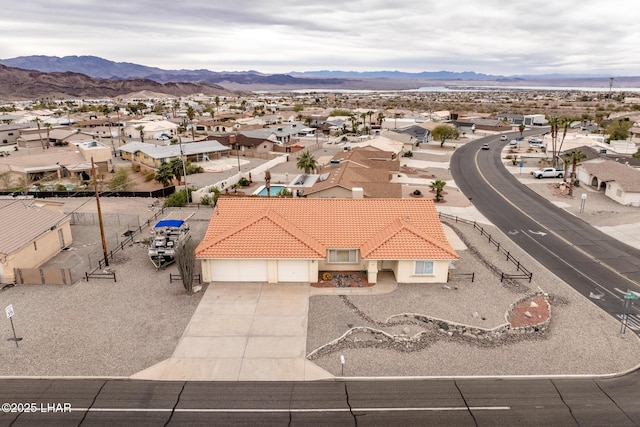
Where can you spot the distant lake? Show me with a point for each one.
(467, 88)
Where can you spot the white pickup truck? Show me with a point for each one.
(547, 173)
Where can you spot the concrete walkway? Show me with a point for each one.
(244, 332)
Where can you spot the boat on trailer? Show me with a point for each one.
(168, 234)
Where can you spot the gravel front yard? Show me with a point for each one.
(99, 327)
(581, 338)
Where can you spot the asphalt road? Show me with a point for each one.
(595, 264)
(441, 402)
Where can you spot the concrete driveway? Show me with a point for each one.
(244, 332)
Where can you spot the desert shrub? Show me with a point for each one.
(178, 199)
(284, 193)
(244, 182)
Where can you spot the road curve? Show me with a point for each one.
(590, 261)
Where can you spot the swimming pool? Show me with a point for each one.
(262, 191)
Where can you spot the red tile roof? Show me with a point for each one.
(305, 228)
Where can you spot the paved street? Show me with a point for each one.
(442, 402)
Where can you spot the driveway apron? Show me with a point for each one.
(244, 332)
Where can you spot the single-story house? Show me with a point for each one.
(620, 182)
(279, 135)
(418, 133)
(296, 239)
(512, 119)
(56, 163)
(215, 126)
(244, 143)
(151, 129)
(154, 156)
(30, 235)
(367, 168)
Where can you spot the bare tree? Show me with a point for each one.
(186, 260)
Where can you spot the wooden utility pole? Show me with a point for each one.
(95, 187)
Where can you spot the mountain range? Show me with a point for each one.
(92, 76)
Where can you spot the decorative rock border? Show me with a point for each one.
(451, 329)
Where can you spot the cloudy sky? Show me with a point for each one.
(274, 36)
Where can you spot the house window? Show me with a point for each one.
(424, 267)
(343, 256)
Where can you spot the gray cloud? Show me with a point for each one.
(489, 36)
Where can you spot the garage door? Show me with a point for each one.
(246, 270)
(293, 271)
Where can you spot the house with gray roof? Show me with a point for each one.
(619, 182)
(31, 233)
(153, 156)
(9, 133)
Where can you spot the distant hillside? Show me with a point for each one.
(16, 83)
(139, 78)
(94, 66)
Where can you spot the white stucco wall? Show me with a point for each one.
(406, 268)
(615, 192)
(46, 247)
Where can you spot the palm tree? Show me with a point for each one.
(354, 123)
(307, 162)
(38, 121)
(141, 130)
(164, 175)
(370, 113)
(267, 182)
(174, 108)
(177, 168)
(554, 122)
(437, 186)
(116, 109)
(521, 128)
(565, 122)
(576, 157)
(380, 118)
(48, 127)
(191, 113)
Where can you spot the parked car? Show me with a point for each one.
(513, 142)
(485, 146)
(503, 137)
(537, 145)
(547, 173)
(535, 140)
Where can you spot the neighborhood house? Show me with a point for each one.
(42, 234)
(295, 239)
